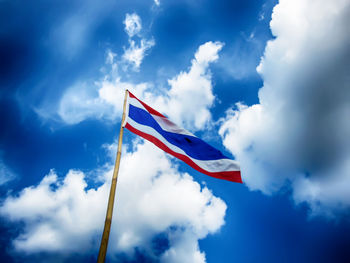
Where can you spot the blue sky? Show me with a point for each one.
(266, 82)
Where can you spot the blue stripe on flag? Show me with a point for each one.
(192, 146)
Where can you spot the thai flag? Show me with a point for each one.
(151, 125)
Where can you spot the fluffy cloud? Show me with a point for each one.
(81, 102)
(135, 53)
(132, 24)
(99, 100)
(152, 198)
(189, 91)
(55, 214)
(298, 134)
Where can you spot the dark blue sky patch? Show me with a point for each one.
(160, 243)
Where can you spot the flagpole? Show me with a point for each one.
(108, 221)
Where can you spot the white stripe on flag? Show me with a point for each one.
(169, 126)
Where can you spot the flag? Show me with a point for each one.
(153, 126)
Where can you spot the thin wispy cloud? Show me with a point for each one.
(135, 53)
(132, 24)
(6, 174)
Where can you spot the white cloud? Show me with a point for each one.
(157, 2)
(101, 100)
(110, 60)
(184, 249)
(132, 24)
(190, 91)
(55, 213)
(298, 134)
(152, 198)
(81, 102)
(6, 174)
(134, 54)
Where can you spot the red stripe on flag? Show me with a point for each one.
(233, 176)
(148, 108)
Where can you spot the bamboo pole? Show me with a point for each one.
(108, 221)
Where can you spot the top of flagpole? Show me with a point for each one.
(125, 109)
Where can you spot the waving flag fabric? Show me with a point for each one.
(148, 123)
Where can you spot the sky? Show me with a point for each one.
(265, 82)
